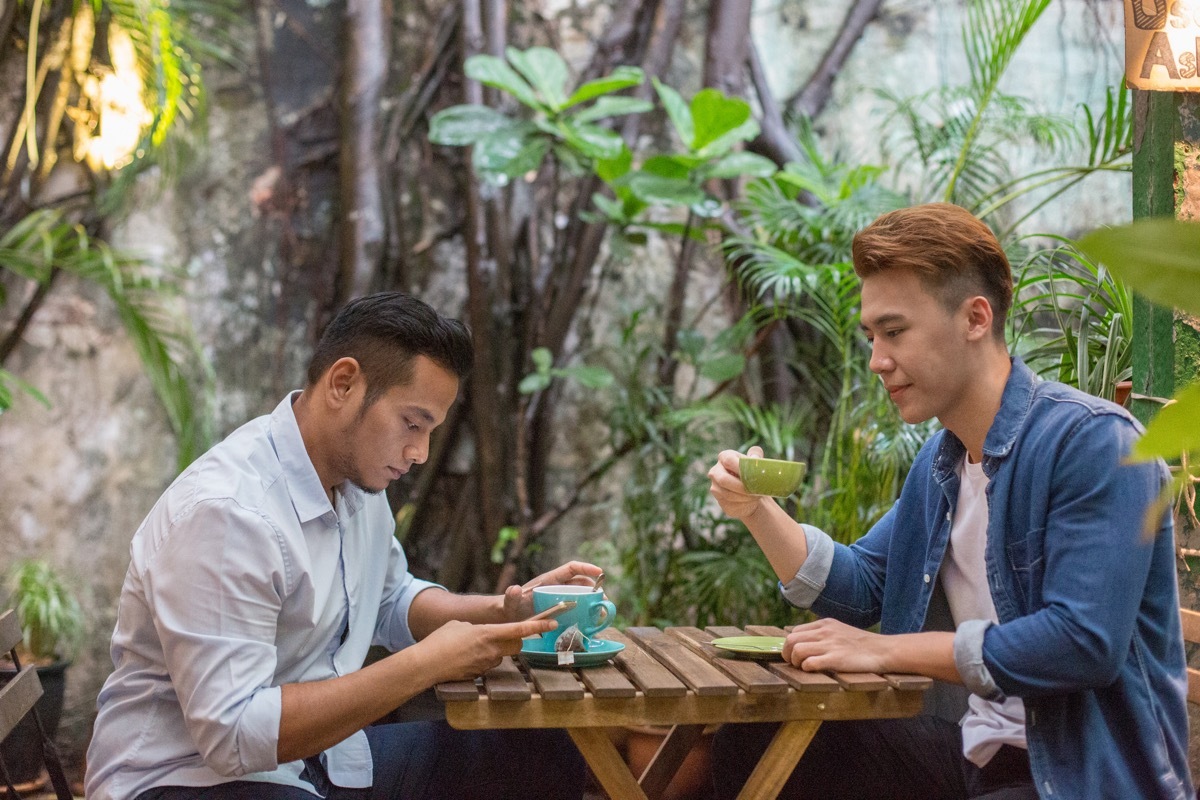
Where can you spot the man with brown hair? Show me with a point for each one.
(1020, 520)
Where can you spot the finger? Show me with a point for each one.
(519, 630)
(729, 460)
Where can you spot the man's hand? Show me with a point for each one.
(829, 644)
(518, 600)
(462, 651)
(727, 487)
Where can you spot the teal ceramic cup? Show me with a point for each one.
(771, 476)
(592, 613)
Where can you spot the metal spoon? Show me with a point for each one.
(599, 579)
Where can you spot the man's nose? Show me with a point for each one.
(879, 362)
(417, 453)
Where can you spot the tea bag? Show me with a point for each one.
(570, 640)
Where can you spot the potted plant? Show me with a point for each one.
(52, 621)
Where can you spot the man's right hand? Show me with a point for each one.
(727, 487)
(463, 651)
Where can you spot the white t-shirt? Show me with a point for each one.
(987, 725)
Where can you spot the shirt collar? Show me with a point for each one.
(1007, 424)
(308, 496)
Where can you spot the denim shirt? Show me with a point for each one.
(1089, 633)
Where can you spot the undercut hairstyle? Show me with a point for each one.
(385, 333)
(952, 252)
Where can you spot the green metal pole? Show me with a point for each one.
(1155, 133)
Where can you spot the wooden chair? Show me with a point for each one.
(17, 699)
(1191, 635)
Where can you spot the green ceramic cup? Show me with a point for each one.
(771, 476)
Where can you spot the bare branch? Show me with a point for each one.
(775, 141)
(815, 94)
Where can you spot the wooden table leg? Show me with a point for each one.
(606, 763)
(780, 758)
(669, 759)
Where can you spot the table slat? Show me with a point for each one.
(643, 669)
(752, 676)
(908, 683)
(860, 681)
(457, 691)
(607, 681)
(556, 684)
(703, 678)
(506, 682)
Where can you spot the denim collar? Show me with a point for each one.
(1002, 435)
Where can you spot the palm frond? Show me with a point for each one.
(146, 303)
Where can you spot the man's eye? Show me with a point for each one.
(894, 333)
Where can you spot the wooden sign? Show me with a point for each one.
(1162, 45)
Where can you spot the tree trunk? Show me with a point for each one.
(361, 213)
(726, 45)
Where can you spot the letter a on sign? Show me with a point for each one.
(1162, 45)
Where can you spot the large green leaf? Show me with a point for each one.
(607, 107)
(494, 72)
(510, 151)
(714, 115)
(609, 169)
(1174, 430)
(724, 143)
(678, 111)
(1159, 258)
(724, 368)
(620, 78)
(669, 166)
(462, 125)
(667, 191)
(546, 72)
(594, 141)
(736, 165)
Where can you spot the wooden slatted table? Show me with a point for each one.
(675, 678)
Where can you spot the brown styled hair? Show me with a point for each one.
(952, 251)
(384, 333)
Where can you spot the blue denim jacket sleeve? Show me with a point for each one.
(1096, 564)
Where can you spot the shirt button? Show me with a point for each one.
(927, 577)
(948, 518)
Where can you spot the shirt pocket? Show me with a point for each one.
(1025, 560)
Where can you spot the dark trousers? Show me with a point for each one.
(893, 759)
(431, 761)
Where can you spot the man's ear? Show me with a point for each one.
(979, 317)
(342, 382)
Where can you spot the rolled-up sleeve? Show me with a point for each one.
(804, 588)
(215, 584)
(400, 589)
(968, 657)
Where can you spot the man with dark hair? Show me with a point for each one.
(1021, 522)
(268, 568)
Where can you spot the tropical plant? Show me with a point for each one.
(556, 137)
(1072, 320)
(959, 135)
(679, 562)
(1160, 258)
(114, 86)
(50, 615)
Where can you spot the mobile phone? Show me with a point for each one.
(555, 610)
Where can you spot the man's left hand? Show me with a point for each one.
(518, 600)
(831, 645)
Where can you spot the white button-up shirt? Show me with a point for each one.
(243, 578)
